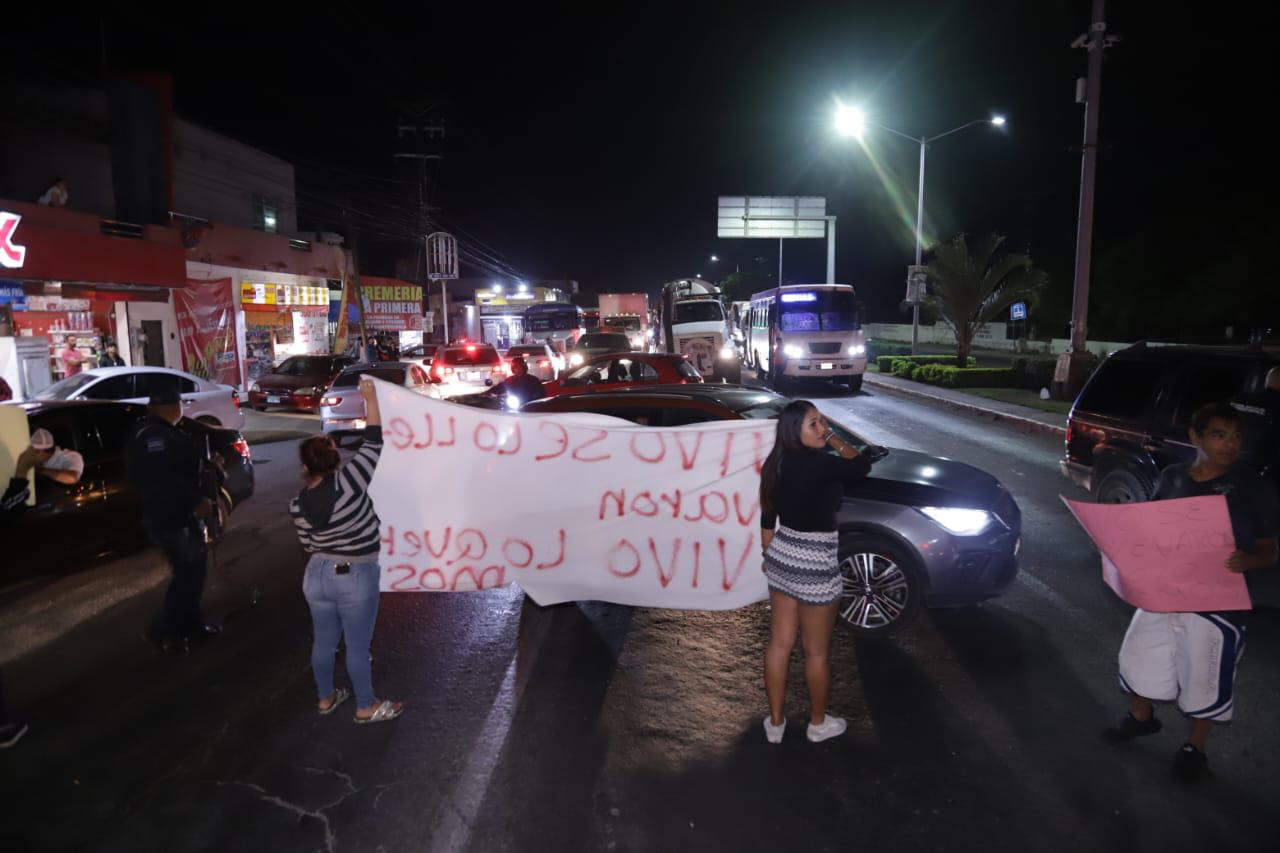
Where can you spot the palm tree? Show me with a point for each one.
(970, 288)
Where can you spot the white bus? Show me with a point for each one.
(806, 331)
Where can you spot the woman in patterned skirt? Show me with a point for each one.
(801, 487)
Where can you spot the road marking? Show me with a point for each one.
(456, 814)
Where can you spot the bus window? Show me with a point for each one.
(819, 310)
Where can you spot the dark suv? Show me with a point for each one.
(1131, 420)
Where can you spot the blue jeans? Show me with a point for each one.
(342, 605)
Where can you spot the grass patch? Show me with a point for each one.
(1021, 397)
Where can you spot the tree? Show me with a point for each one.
(969, 288)
(739, 286)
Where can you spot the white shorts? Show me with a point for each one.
(1191, 657)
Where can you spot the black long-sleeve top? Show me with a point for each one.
(810, 489)
(163, 464)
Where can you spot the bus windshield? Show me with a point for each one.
(553, 321)
(818, 311)
(698, 311)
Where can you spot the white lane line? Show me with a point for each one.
(451, 826)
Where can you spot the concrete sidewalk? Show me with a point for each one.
(1023, 416)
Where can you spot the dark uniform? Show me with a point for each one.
(164, 467)
(109, 360)
(524, 388)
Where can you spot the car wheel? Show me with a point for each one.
(259, 408)
(1123, 486)
(882, 591)
(854, 383)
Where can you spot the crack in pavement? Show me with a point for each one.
(330, 837)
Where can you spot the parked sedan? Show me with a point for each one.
(202, 400)
(597, 343)
(616, 372)
(298, 383)
(543, 362)
(72, 527)
(342, 409)
(918, 531)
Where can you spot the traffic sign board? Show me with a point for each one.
(1018, 311)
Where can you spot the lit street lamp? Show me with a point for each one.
(852, 121)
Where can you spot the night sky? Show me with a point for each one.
(593, 147)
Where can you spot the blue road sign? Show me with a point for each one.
(1018, 311)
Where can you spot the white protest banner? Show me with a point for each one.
(572, 507)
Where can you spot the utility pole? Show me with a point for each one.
(357, 288)
(1072, 367)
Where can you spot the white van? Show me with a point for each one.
(806, 331)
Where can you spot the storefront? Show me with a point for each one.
(265, 297)
(281, 320)
(68, 275)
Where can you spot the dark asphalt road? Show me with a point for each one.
(598, 727)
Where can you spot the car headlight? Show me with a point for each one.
(792, 351)
(255, 389)
(857, 350)
(309, 391)
(959, 520)
(576, 359)
(727, 352)
(513, 402)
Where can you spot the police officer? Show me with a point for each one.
(164, 466)
(520, 385)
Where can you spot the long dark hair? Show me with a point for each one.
(789, 424)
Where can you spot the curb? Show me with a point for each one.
(1028, 423)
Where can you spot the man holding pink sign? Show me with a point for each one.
(1190, 654)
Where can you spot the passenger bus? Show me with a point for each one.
(558, 322)
(806, 331)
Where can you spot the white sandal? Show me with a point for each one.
(386, 710)
(338, 697)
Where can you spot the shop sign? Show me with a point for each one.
(393, 308)
(14, 296)
(269, 293)
(12, 256)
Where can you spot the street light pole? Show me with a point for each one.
(915, 306)
(850, 121)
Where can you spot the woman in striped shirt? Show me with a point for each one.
(338, 526)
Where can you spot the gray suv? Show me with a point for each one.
(919, 531)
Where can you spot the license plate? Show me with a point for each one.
(272, 399)
(473, 376)
(826, 365)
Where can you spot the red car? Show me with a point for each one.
(298, 383)
(617, 371)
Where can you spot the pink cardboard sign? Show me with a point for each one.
(1167, 556)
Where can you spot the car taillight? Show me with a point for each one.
(330, 401)
(242, 447)
(543, 362)
(235, 397)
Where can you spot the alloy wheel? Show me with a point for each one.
(875, 590)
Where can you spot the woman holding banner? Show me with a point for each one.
(801, 488)
(338, 526)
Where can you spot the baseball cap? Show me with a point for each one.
(42, 439)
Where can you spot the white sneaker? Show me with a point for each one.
(828, 728)
(773, 733)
